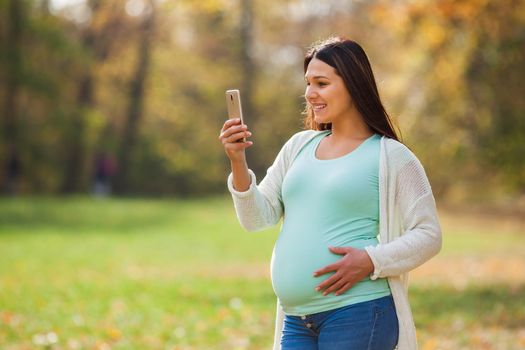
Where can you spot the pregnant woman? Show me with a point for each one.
(358, 212)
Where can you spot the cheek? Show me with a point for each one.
(325, 94)
(344, 100)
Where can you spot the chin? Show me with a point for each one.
(320, 120)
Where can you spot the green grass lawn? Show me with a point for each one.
(82, 273)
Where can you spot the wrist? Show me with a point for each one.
(239, 160)
(368, 263)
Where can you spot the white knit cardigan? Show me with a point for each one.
(409, 230)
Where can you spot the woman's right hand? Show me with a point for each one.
(231, 136)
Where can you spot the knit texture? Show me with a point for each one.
(409, 230)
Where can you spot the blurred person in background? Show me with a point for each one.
(358, 211)
(105, 168)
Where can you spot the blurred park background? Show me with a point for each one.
(116, 231)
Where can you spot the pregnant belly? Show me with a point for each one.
(294, 261)
(292, 271)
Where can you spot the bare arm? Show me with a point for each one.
(241, 177)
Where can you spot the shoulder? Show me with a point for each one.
(401, 158)
(294, 144)
(397, 151)
(303, 136)
(299, 139)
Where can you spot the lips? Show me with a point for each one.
(318, 106)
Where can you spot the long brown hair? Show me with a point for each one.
(352, 65)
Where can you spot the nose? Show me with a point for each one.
(310, 93)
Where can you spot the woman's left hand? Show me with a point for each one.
(350, 269)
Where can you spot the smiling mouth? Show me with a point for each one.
(318, 107)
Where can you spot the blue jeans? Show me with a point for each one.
(370, 325)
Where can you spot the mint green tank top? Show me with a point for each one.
(331, 202)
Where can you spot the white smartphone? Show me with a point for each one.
(233, 101)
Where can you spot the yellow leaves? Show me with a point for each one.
(380, 12)
(521, 338)
(202, 326)
(113, 333)
(466, 10)
(473, 337)
(393, 17)
(6, 317)
(475, 270)
(223, 314)
(430, 344)
(447, 73)
(206, 6)
(434, 33)
(101, 346)
(10, 319)
(417, 9)
(463, 10)
(236, 338)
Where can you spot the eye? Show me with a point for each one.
(321, 83)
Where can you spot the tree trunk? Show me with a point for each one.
(136, 105)
(74, 166)
(248, 72)
(76, 137)
(11, 157)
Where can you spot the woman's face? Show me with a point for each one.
(326, 92)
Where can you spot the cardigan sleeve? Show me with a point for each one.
(261, 205)
(421, 232)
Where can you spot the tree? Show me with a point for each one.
(136, 99)
(11, 163)
(97, 39)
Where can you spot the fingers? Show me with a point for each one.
(230, 122)
(326, 269)
(348, 271)
(337, 283)
(231, 130)
(233, 138)
(233, 133)
(335, 287)
(340, 250)
(328, 282)
(346, 287)
(237, 146)
(236, 137)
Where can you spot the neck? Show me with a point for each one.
(351, 127)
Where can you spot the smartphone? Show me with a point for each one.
(233, 101)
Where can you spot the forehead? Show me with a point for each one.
(317, 68)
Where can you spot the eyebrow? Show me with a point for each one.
(316, 77)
